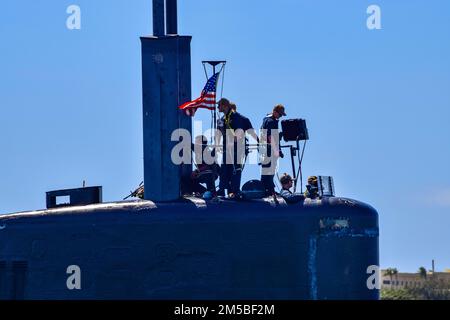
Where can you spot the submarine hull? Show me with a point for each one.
(191, 250)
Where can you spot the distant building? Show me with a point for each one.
(405, 280)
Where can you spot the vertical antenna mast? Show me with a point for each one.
(171, 17)
(158, 18)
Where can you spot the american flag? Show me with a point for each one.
(207, 99)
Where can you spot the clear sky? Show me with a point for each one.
(377, 102)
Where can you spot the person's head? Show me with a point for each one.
(233, 106)
(278, 111)
(286, 181)
(224, 105)
(312, 181)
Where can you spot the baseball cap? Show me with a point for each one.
(280, 109)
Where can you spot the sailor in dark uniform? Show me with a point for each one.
(233, 126)
(286, 193)
(273, 149)
(205, 172)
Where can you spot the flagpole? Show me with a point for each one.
(215, 101)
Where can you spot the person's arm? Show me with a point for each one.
(251, 131)
(280, 136)
(292, 198)
(218, 137)
(263, 133)
(275, 143)
(239, 134)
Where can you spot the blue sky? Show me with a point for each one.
(377, 102)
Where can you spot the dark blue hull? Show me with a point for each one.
(182, 250)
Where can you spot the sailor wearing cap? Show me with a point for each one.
(272, 141)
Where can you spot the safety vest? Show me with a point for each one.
(227, 120)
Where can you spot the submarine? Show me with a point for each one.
(167, 246)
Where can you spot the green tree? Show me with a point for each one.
(395, 273)
(390, 272)
(423, 272)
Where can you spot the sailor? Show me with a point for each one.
(221, 128)
(221, 125)
(272, 142)
(206, 171)
(312, 188)
(286, 185)
(233, 141)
